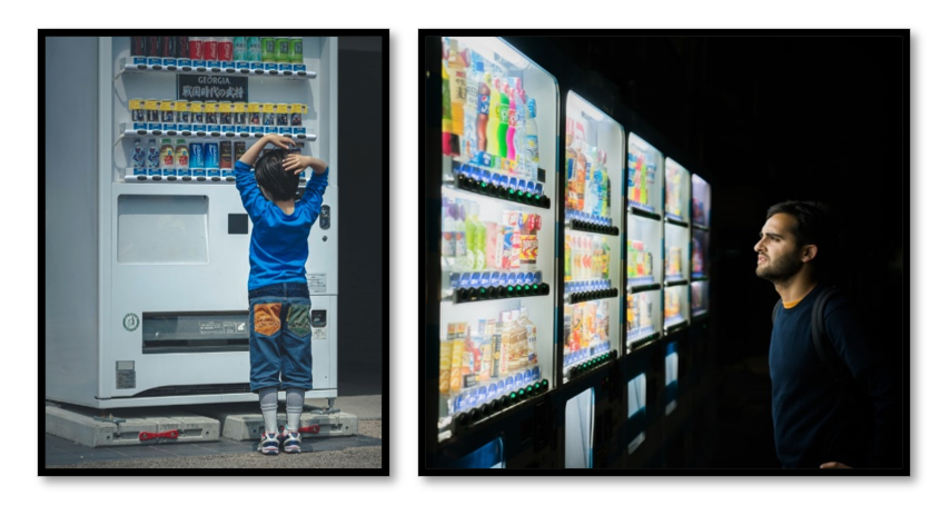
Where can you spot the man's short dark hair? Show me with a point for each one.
(816, 224)
(270, 174)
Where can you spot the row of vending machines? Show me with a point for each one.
(567, 271)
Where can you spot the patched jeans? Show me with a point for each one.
(280, 337)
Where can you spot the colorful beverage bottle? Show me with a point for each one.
(512, 125)
(183, 49)
(195, 48)
(503, 107)
(225, 48)
(462, 258)
(448, 230)
(253, 49)
(494, 108)
(138, 154)
(209, 47)
(224, 151)
(154, 46)
(169, 46)
(458, 85)
(239, 148)
(181, 154)
(196, 156)
(446, 113)
(167, 154)
(532, 150)
(482, 106)
(240, 48)
(138, 45)
(153, 160)
(211, 155)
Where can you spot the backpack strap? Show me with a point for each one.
(826, 353)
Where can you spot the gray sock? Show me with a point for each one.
(294, 408)
(268, 397)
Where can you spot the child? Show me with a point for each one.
(277, 287)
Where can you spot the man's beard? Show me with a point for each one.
(780, 269)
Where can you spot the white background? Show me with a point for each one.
(404, 490)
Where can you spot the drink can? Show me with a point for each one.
(253, 49)
(211, 113)
(282, 47)
(195, 48)
(240, 48)
(209, 48)
(224, 113)
(240, 113)
(137, 110)
(197, 113)
(151, 111)
(254, 111)
(296, 50)
(211, 155)
(268, 52)
(196, 155)
(240, 148)
(182, 46)
(268, 115)
(182, 113)
(154, 46)
(296, 114)
(167, 109)
(169, 46)
(138, 45)
(138, 154)
(225, 49)
(181, 154)
(283, 115)
(224, 151)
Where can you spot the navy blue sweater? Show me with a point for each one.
(814, 422)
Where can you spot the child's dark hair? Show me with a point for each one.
(270, 174)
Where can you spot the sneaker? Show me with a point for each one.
(270, 444)
(290, 441)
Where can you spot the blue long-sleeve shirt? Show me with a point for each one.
(279, 250)
(810, 411)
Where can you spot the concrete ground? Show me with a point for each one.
(362, 450)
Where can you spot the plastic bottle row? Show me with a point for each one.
(587, 330)
(487, 116)
(639, 263)
(674, 264)
(639, 316)
(223, 49)
(672, 310)
(641, 177)
(495, 350)
(588, 181)
(510, 243)
(181, 155)
(586, 258)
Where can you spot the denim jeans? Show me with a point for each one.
(280, 337)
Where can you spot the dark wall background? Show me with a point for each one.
(361, 216)
(768, 120)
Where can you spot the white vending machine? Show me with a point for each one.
(147, 258)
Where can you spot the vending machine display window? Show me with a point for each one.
(489, 456)
(497, 259)
(644, 243)
(579, 430)
(594, 208)
(677, 194)
(636, 409)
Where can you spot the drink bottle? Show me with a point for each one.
(484, 100)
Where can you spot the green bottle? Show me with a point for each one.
(503, 121)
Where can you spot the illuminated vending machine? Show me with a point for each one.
(676, 308)
(164, 236)
(643, 316)
(490, 269)
(593, 332)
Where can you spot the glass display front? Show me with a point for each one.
(499, 133)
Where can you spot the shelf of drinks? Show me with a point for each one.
(475, 403)
(700, 227)
(699, 276)
(638, 284)
(675, 280)
(676, 220)
(482, 190)
(592, 227)
(139, 64)
(579, 363)
(641, 210)
(219, 175)
(636, 338)
(127, 130)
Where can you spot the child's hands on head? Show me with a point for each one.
(296, 163)
(280, 141)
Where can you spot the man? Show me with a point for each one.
(817, 423)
